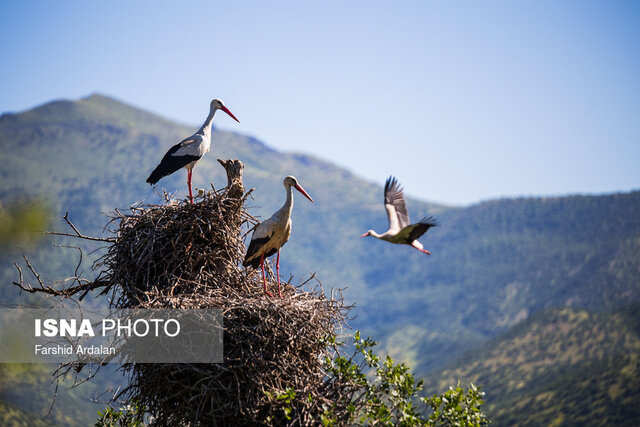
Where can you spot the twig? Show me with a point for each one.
(78, 234)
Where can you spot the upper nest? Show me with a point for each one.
(177, 249)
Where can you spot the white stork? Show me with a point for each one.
(270, 235)
(187, 152)
(400, 231)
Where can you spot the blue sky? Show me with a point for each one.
(462, 101)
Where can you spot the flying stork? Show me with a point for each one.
(270, 235)
(187, 152)
(400, 231)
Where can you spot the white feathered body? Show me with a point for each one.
(271, 234)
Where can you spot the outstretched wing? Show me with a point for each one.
(421, 227)
(394, 204)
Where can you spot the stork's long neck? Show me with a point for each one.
(205, 130)
(288, 204)
(284, 213)
(374, 234)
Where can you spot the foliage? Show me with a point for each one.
(131, 415)
(383, 393)
(457, 407)
(20, 222)
(387, 393)
(284, 400)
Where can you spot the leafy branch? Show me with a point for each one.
(387, 393)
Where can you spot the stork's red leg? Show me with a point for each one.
(278, 273)
(189, 171)
(264, 277)
(420, 249)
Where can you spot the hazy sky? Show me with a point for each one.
(462, 101)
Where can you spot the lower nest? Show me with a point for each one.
(271, 345)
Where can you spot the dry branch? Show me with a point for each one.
(77, 232)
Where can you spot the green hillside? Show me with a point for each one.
(501, 261)
(559, 367)
(494, 264)
(27, 393)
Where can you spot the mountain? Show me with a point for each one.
(494, 264)
(559, 367)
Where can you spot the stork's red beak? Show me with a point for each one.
(300, 189)
(226, 110)
(365, 234)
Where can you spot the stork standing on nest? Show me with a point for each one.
(270, 235)
(187, 152)
(400, 231)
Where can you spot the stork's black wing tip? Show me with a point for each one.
(254, 263)
(390, 183)
(155, 176)
(392, 191)
(429, 220)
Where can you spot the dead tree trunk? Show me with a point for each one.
(234, 170)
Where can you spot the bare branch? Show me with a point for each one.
(77, 232)
(83, 284)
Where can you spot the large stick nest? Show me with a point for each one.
(165, 254)
(188, 256)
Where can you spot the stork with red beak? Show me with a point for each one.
(187, 152)
(270, 235)
(400, 230)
